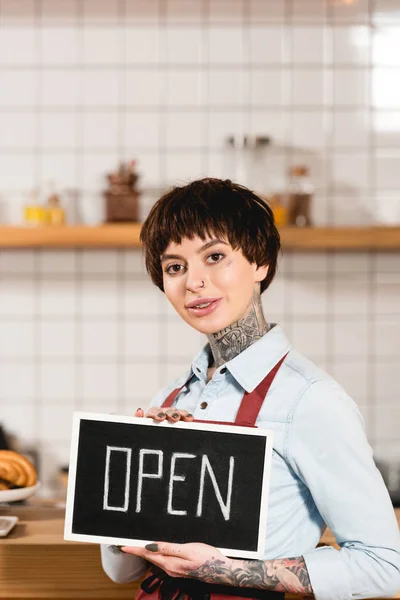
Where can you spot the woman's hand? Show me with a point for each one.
(196, 560)
(161, 414)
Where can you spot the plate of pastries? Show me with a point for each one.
(18, 477)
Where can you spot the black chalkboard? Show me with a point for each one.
(133, 481)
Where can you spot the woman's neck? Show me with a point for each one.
(231, 341)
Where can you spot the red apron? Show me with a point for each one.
(159, 585)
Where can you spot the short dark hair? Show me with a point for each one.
(208, 207)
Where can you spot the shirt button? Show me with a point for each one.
(223, 370)
(203, 405)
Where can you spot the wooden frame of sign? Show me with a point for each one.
(134, 481)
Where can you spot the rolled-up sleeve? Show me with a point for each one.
(328, 450)
(120, 567)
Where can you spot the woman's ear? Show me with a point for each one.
(261, 273)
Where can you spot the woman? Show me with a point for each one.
(211, 247)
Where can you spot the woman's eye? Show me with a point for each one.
(212, 259)
(216, 257)
(173, 269)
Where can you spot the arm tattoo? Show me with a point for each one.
(280, 575)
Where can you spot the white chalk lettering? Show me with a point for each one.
(128, 452)
(142, 475)
(225, 508)
(172, 478)
(225, 505)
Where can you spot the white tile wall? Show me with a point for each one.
(84, 84)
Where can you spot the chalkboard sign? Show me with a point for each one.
(133, 481)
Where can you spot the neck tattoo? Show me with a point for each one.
(231, 341)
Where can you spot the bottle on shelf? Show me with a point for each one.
(300, 193)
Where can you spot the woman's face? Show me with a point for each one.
(210, 273)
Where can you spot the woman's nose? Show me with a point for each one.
(195, 280)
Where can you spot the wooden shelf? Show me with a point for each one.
(75, 236)
(341, 238)
(127, 236)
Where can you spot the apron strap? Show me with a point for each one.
(169, 400)
(252, 402)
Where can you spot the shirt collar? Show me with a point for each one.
(198, 367)
(250, 366)
(201, 362)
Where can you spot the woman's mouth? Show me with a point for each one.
(204, 308)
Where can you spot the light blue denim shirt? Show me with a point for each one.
(323, 472)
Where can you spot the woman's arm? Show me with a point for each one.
(281, 575)
(204, 562)
(328, 450)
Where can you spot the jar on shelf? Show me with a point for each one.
(55, 213)
(34, 212)
(279, 210)
(300, 194)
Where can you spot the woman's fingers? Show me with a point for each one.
(156, 413)
(186, 416)
(171, 414)
(174, 415)
(139, 412)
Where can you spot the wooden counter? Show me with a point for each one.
(36, 562)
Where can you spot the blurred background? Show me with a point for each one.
(104, 105)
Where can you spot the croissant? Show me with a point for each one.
(16, 470)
